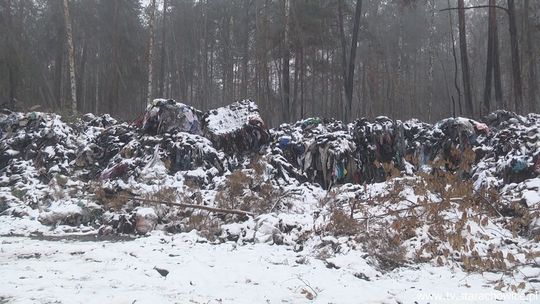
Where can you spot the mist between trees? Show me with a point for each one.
(345, 59)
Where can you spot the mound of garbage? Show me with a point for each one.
(458, 191)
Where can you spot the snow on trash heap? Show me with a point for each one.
(166, 115)
(40, 137)
(46, 163)
(317, 185)
(236, 128)
(322, 151)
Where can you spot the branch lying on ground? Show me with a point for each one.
(193, 206)
(392, 212)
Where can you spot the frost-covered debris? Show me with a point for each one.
(231, 118)
(368, 198)
(236, 128)
(166, 116)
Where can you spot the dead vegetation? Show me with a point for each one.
(111, 200)
(386, 248)
(248, 190)
(341, 224)
(205, 224)
(445, 224)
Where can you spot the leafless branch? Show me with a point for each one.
(475, 7)
(192, 206)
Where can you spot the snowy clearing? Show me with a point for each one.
(36, 270)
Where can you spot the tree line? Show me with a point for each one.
(296, 58)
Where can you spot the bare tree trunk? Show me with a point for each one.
(297, 108)
(431, 8)
(59, 58)
(352, 58)
(492, 21)
(514, 47)
(96, 94)
(71, 59)
(348, 70)
(245, 55)
(286, 59)
(343, 50)
(497, 62)
(151, 50)
(465, 59)
(206, 80)
(265, 69)
(162, 73)
(210, 101)
(302, 77)
(9, 21)
(399, 82)
(58, 67)
(455, 61)
(226, 64)
(533, 81)
(114, 69)
(296, 75)
(81, 84)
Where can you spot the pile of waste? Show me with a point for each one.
(166, 116)
(225, 174)
(330, 153)
(37, 148)
(236, 128)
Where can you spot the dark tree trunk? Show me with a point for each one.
(206, 80)
(150, 83)
(12, 58)
(456, 85)
(226, 60)
(245, 55)
(533, 81)
(352, 58)
(114, 70)
(59, 57)
(58, 64)
(348, 69)
(163, 54)
(285, 68)
(464, 59)
(497, 62)
(302, 77)
(492, 21)
(81, 107)
(343, 47)
(265, 71)
(514, 47)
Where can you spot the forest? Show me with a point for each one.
(344, 59)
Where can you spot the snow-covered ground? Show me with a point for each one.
(81, 270)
